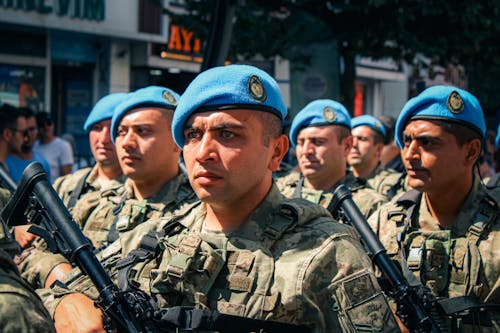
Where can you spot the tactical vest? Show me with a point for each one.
(449, 266)
(207, 271)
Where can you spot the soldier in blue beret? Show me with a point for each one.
(446, 230)
(364, 157)
(321, 134)
(250, 246)
(106, 173)
(155, 190)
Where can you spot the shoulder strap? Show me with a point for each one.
(77, 191)
(286, 218)
(486, 214)
(148, 248)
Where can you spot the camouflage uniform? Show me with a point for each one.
(97, 216)
(387, 182)
(83, 181)
(288, 262)
(461, 260)
(367, 199)
(21, 310)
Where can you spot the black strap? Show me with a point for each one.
(77, 191)
(396, 187)
(148, 248)
(113, 232)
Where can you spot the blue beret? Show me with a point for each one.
(497, 140)
(226, 88)
(442, 103)
(103, 109)
(153, 96)
(370, 121)
(317, 113)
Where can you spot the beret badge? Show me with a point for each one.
(329, 114)
(167, 96)
(455, 103)
(256, 89)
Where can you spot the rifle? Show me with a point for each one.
(127, 311)
(411, 308)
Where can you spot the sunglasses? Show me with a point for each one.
(25, 132)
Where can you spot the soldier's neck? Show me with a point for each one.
(364, 171)
(445, 205)
(322, 184)
(109, 172)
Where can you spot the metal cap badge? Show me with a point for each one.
(329, 114)
(169, 97)
(455, 103)
(256, 89)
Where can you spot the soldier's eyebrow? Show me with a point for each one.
(221, 126)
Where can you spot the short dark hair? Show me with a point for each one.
(27, 112)
(389, 123)
(8, 116)
(342, 133)
(43, 118)
(463, 134)
(273, 126)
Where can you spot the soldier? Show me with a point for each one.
(364, 158)
(21, 310)
(321, 134)
(245, 249)
(155, 186)
(446, 230)
(106, 173)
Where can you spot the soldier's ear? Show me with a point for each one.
(473, 150)
(279, 149)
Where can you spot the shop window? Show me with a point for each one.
(23, 86)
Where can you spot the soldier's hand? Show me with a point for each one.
(77, 313)
(22, 236)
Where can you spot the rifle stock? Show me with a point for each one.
(410, 307)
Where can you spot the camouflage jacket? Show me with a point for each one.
(21, 310)
(115, 209)
(289, 262)
(366, 198)
(83, 181)
(461, 260)
(388, 182)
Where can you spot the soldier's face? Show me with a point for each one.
(320, 156)
(102, 147)
(226, 158)
(145, 147)
(432, 157)
(364, 150)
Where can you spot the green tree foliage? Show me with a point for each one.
(467, 32)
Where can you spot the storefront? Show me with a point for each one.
(61, 56)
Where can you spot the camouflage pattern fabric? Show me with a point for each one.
(21, 310)
(289, 262)
(385, 180)
(65, 185)
(95, 216)
(366, 198)
(452, 261)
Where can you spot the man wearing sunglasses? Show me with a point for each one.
(17, 162)
(13, 131)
